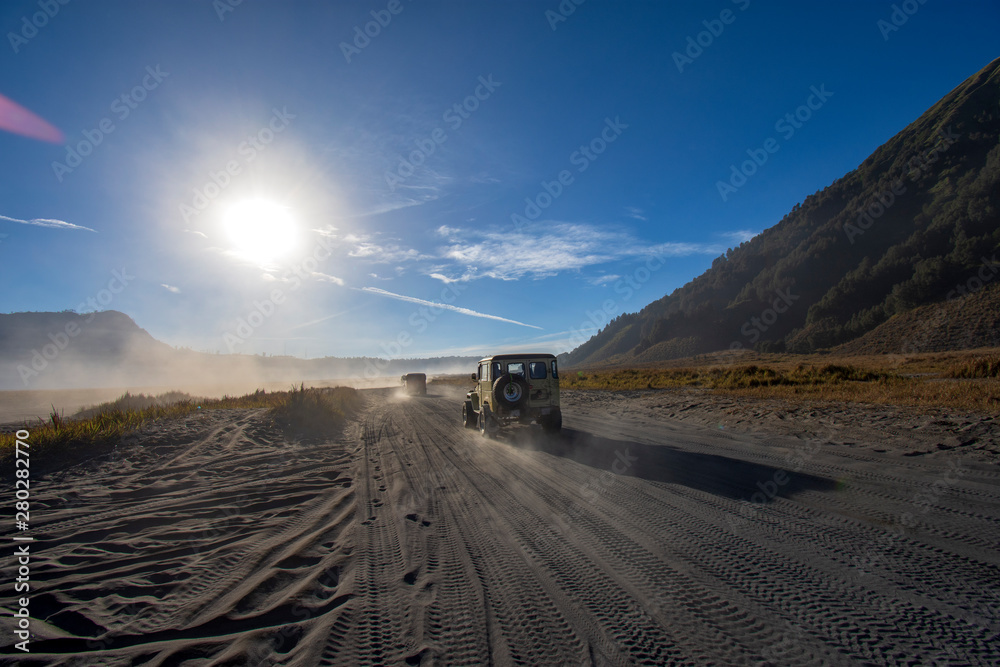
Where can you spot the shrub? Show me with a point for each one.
(317, 410)
(981, 367)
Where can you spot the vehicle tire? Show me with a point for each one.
(468, 415)
(510, 391)
(552, 423)
(487, 425)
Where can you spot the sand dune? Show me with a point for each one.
(631, 538)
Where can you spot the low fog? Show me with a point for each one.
(64, 361)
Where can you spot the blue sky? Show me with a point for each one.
(467, 178)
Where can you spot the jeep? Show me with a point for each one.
(414, 384)
(521, 388)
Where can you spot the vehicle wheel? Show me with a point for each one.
(487, 424)
(468, 415)
(552, 422)
(510, 391)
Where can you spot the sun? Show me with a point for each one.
(261, 230)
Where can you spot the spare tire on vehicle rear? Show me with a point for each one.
(510, 391)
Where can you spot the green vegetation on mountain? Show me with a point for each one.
(917, 223)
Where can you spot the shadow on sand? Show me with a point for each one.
(712, 473)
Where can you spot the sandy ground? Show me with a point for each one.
(643, 534)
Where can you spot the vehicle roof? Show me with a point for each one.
(410, 375)
(514, 357)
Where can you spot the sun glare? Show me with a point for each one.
(261, 230)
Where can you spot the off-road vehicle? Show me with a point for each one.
(514, 388)
(414, 384)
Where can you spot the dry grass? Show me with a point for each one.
(91, 432)
(722, 377)
(316, 411)
(980, 367)
(966, 380)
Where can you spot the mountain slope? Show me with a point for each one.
(916, 222)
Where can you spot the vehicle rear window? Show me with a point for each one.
(516, 368)
(555, 373)
(536, 369)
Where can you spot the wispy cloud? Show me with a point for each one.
(739, 236)
(683, 249)
(45, 222)
(448, 280)
(394, 205)
(383, 254)
(603, 280)
(312, 322)
(323, 277)
(363, 247)
(636, 213)
(444, 306)
(171, 288)
(446, 231)
(196, 233)
(547, 249)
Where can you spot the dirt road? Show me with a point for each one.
(410, 540)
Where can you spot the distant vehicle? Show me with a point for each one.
(414, 384)
(514, 388)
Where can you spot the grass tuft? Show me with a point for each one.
(981, 367)
(316, 410)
